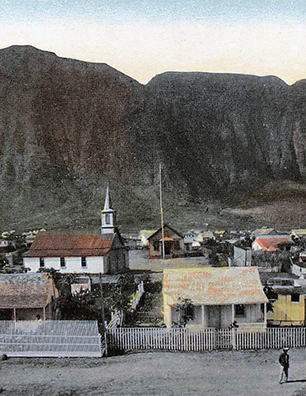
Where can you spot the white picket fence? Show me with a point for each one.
(165, 339)
(184, 339)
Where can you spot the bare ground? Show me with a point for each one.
(230, 373)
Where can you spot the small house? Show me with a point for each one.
(169, 241)
(219, 296)
(26, 296)
(289, 306)
(272, 243)
(143, 237)
(263, 231)
(298, 233)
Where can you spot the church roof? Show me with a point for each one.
(71, 245)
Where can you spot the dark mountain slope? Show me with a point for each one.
(217, 132)
(67, 126)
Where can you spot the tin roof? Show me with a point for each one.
(71, 245)
(214, 286)
(265, 231)
(26, 290)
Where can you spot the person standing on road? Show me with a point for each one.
(284, 362)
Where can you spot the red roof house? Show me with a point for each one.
(272, 243)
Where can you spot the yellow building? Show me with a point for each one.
(289, 307)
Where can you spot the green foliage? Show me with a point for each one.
(62, 281)
(79, 306)
(280, 259)
(118, 296)
(185, 310)
(219, 254)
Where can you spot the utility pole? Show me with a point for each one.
(161, 210)
(103, 315)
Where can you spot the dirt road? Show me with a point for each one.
(226, 373)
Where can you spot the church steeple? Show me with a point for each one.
(108, 218)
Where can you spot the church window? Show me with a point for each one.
(63, 262)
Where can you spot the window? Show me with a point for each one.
(156, 245)
(84, 263)
(41, 262)
(63, 262)
(295, 297)
(239, 310)
(107, 218)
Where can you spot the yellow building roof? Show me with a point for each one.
(214, 286)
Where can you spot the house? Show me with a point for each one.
(264, 231)
(26, 296)
(202, 237)
(189, 241)
(220, 296)
(298, 233)
(104, 253)
(289, 306)
(299, 268)
(143, 237)
(172, 242)
(272, 243)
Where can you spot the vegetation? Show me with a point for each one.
(185, 310)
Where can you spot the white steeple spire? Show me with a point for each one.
(108, 221)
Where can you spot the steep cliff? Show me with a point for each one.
(66, 127)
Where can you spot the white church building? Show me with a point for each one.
(104, 253)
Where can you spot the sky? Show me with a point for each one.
(147, 37)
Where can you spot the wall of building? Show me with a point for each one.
(218, 316)
(73, 264)
(297, 270)
(118, 258)
(287, 312)
(29, 313)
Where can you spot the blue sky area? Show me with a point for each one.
(153, 10)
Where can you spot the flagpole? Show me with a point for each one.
(161, 211)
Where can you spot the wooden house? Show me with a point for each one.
(173, 243)
(104, 253)
(289, 307)
(220, 296)
(26, 296)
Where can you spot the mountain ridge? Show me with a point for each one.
(69, 126)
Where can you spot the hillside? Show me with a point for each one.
(67, 126)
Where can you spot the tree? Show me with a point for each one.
(185, 310)
(118, 296)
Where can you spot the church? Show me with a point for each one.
(101, 253)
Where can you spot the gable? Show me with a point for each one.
(169, 232)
